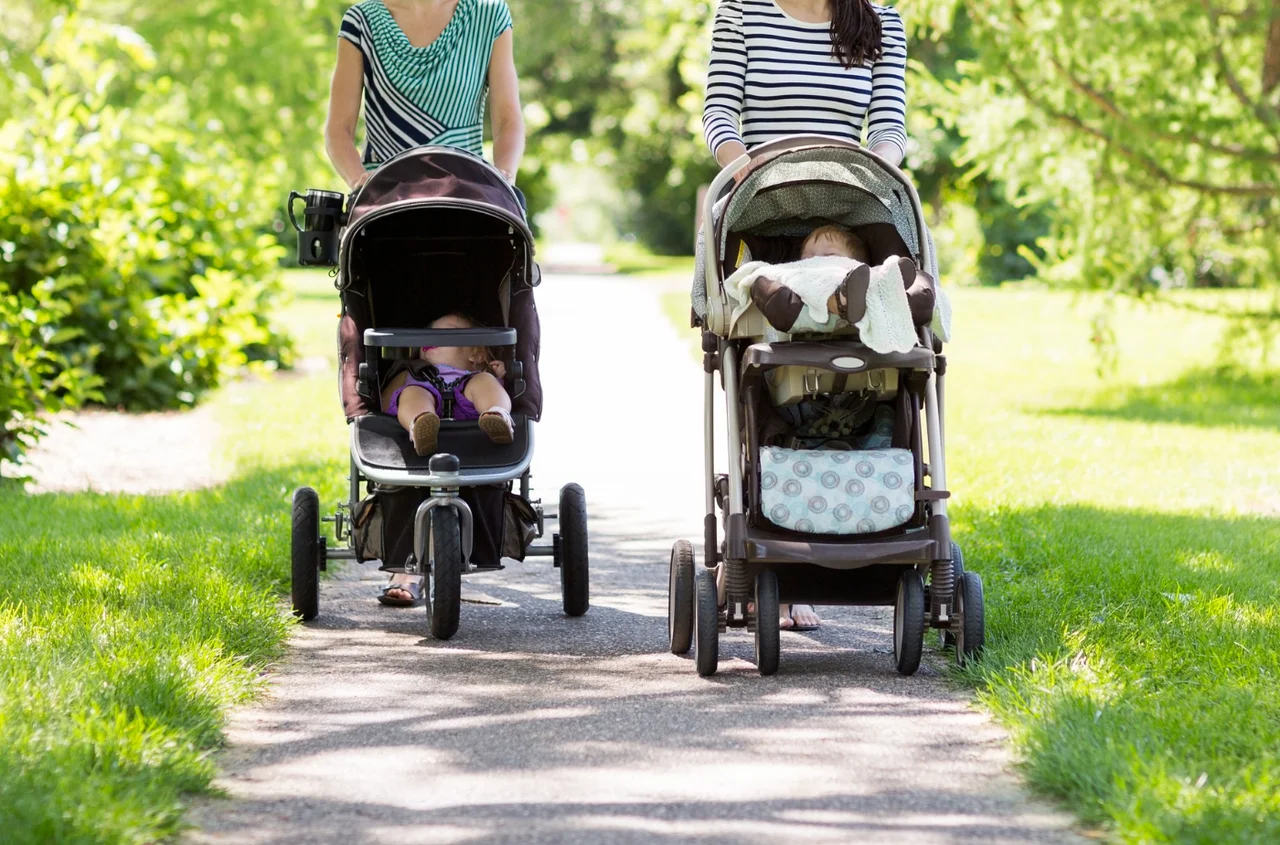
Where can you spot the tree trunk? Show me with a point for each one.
(1271, 62)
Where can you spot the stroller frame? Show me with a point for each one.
(381, 455)
(764, 567)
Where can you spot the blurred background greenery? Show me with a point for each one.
(146, 147)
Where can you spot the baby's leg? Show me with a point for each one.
(491, 400)
(486, 393)
(417, 413)
(414, 402)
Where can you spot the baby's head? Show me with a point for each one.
(832, 240)
(477, 357)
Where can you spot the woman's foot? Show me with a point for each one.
(425, 432)
(402, 591)
(804, 618)
(498, 425)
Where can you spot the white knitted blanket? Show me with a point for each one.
(887, 325)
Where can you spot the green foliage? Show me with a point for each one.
(1150, 130)
(126, 234)
(36, 376)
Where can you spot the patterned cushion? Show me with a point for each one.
(834, 492)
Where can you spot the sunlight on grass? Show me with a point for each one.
(129, 624)
(1126, 532)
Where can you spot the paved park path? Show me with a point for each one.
(529, 727)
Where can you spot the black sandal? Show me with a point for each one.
(413, 588)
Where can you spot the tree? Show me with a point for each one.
(1149, 128)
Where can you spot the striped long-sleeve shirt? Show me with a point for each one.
(772, 75)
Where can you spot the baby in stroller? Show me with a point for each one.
(453, 382)
(845, 254)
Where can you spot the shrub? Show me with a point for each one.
(130, 242)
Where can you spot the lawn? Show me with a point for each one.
(1127, 532)
(1126, 529)
(130, 624)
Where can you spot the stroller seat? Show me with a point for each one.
(381, 445)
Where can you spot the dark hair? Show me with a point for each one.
(856, 36)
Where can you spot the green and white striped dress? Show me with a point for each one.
(414, 96)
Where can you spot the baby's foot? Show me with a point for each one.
(497, 423)
(425, 432)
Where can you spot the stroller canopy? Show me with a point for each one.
(436, 175)
(819, 179)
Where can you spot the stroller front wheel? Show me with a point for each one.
(909, 623)
(444, 582)
(768, 635)
(706, 645)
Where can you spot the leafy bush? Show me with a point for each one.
(129, 241)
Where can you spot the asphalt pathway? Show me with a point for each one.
(529, 727)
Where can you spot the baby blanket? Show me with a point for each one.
(885, 327)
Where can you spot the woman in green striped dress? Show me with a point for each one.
(423, 70)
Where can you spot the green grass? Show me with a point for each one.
(1127, 533)
(1128, 536)
(129, 624)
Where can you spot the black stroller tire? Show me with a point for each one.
(971, 632)
(706, 646)
(680, 598)
(444, 587)
(574, 566)
(909, 623)
(305, 550)
(768, 634)
(957, 560)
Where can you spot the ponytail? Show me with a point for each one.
(856, 37)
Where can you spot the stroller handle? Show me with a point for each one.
(406, 338)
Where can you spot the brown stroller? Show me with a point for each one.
(434, 231)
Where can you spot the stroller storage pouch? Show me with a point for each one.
(837, 492)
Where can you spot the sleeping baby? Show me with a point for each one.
(831, 286)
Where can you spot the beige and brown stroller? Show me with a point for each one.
(836, 485)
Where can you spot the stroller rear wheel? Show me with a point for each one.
(680, 598)
(305, 586)
(574, 565)
(444, 582)
(768, 635)
(706, 646)
(971, 632)
(957, 561)
(909, 623)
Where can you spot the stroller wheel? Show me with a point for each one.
(909, 623)
(574, 566)
(706, 646)
(957, 560)
(971, 630)
(768, 635)
(305, 586)
(680, 598)
(444, 583)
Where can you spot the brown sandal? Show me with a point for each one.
(425, 433)
(497, 423)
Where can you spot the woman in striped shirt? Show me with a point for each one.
(423, 69)
(788, 67)
(804, 67)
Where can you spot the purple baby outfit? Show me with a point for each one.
(454, 379)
